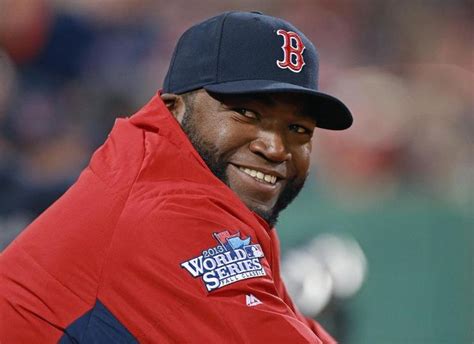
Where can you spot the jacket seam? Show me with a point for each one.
(52, 276)
(219, 48)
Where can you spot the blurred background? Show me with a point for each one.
(379, 247)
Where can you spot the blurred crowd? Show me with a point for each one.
(405, 68)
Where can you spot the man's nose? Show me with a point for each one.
(271, 145)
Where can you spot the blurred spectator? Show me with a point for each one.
(413, 128)
(366, 162)
(24, 26)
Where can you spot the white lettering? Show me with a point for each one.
(225, 268)
(221, 259)
(222, 272)
(211, 281)
(194, 266)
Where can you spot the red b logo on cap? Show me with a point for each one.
(293, 48)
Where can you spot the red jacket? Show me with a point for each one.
(149, 246)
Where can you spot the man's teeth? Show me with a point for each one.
(260, 176)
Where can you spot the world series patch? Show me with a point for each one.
(233, 259)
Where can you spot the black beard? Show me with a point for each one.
(209, 153)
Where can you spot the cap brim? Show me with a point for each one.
(329, 112)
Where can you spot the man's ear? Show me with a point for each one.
(175, 104)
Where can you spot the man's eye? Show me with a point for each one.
(245, 112)
(299, 129)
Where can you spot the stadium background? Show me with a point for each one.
(399, 183)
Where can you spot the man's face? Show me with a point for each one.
(259, 145)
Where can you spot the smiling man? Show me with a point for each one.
(168, 235)
(257, 144)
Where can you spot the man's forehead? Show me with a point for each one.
(299, 102)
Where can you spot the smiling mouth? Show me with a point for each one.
(259, 176)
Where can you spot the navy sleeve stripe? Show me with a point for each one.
(98, 325)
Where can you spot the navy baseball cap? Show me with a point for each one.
(248, 52)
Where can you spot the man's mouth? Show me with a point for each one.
(259, 175)
(258, 188)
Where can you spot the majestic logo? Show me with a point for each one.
(252, 301)
(232, 260)
(293, 48)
